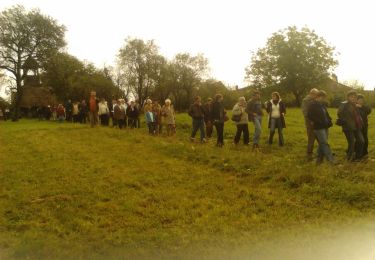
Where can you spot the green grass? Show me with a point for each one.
(68, 191)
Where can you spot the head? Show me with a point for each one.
(93, 94)
(156, 102)
(313, 92)
(275, 96)
(197, 100)
(351, 97)
(102, 100)
(149, 101)
(118, 102)
(320, 96)
(83, 102)
(218, 98)
(209, 100)
(360, 99)
(167, 102)
(242, 100)
(256, 95)
(132, 103)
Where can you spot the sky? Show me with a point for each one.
(226, 32)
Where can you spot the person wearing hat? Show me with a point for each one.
(306, 102)
(239, 110)
(168, 114)
(321, 122)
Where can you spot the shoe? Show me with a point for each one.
(204, 141)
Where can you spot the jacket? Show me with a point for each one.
(118, 112)
(196, 111)
(364, 111)
(319, 116)
(168, 115)
(218, 112)
(282, 110)
(241, 110)
(306, 102)
(132, 112)
(254, 106)
(207, 108)
(349, 116)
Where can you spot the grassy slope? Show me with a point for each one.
(69, 191)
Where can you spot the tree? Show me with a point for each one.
(137, 59)
(293, 61)
(187, 72)
(26, 36)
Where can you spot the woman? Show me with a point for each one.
(218, 116)
(276, 117)
(103, 112)
(61, 113)
(119, 114)
(239, 110)
(169, 117)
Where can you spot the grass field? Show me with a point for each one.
(71, 192)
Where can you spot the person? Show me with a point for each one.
(218, 116)
(156, 108)
(132, 113)
(54, 112)
(103, 112)
(83, 111)
(255, 113)
(69, 108)
(75, 112)
(351, 122)
(207, 108)
(196, 112)
(61, 114)
(364, 111)
(112, 109)
(306, 102)
(150, 119)
(276, 117)
(168, 114)
(93, 109)
(321, 121)
(138, 108)
(239, 110)
(6, 114)
(119, 114)
(125, 106)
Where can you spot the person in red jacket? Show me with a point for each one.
(93, 109)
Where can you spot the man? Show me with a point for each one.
(132, 113)
(364, 111)
(255, 113)
(197, 114)
(93, 109)
(119, 114)
(351, 122)
(306, 102)
(320, 121)
(208, 117)
(69, 109)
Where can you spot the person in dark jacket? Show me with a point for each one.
(83, 111)
(207, 108)
(306, 102)
(321, 122)
(350, 120)
(69, 110)
(276, 117)
(197, 114)
(255, 113)
(132, 113)
(364, 111)
(218, 115)
(119, 114)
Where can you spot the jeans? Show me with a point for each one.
(93, 118)
(198, 124)
(258, 128)
(209, 129)
(355, 144)
(121, 123)
(151, 128)
(245, 129)
(220, 132)
(276, 123)
(323, 150)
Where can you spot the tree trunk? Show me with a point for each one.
(17, 101)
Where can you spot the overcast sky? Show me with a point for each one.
(226, 32)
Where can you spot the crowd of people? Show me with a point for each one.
(352, 116)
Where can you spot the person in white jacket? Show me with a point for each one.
(103, 112)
